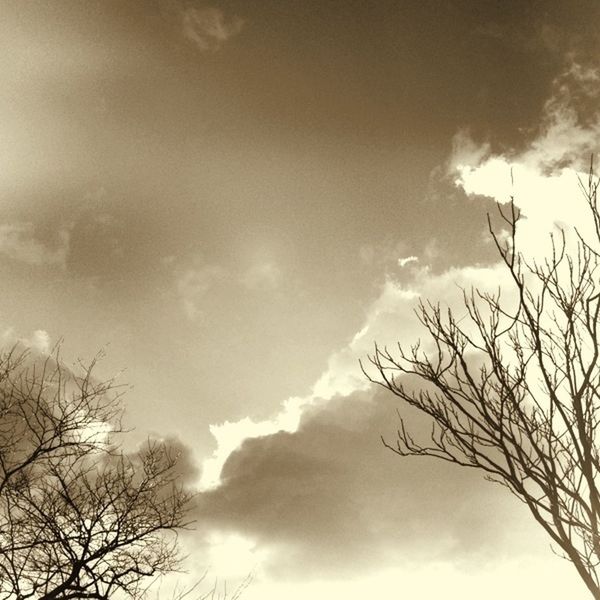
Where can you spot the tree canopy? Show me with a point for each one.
(79, 516)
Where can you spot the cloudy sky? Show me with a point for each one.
(236, 199)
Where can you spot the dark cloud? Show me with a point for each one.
(330, 498)
(306, 137)
(186, 467)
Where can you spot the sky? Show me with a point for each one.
(234, 200)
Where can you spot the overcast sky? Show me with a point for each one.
(236, 199)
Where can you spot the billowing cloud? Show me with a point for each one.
(543, 179)
(565, 137)
(568, 133)
(208, 27)
(230, 435)
(389, 317)
(313, 488)
(294, 489)
(570, 128)
(329, 498)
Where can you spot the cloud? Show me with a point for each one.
(543, 179)
(466, 151)
(39, 340)
(390, 315)
(208, 27)
(512, 577)
(313, 493)
(230, 435)
(570, 127)
(383, 254)
(186, 467)
(315, 477)
(567, 134)
(312, 488)
(19, 243)
(304, 496)
(402, 262)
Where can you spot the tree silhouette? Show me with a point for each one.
(513, 388)
(79, 517)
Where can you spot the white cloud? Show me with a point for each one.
(543, 180)
(208, 27)
(544, 198)
(39, 340)
(233, 556)
(570, 130)
(18, 242)
(510, 578)
(465, 151)
(230, 435)
(389, 316)
(402, 262)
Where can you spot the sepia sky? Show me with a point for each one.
(236, 199)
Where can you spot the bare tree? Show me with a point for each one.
(216, 591)
(79, 517)
(513, 388)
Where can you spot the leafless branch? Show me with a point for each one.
(515, 391)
